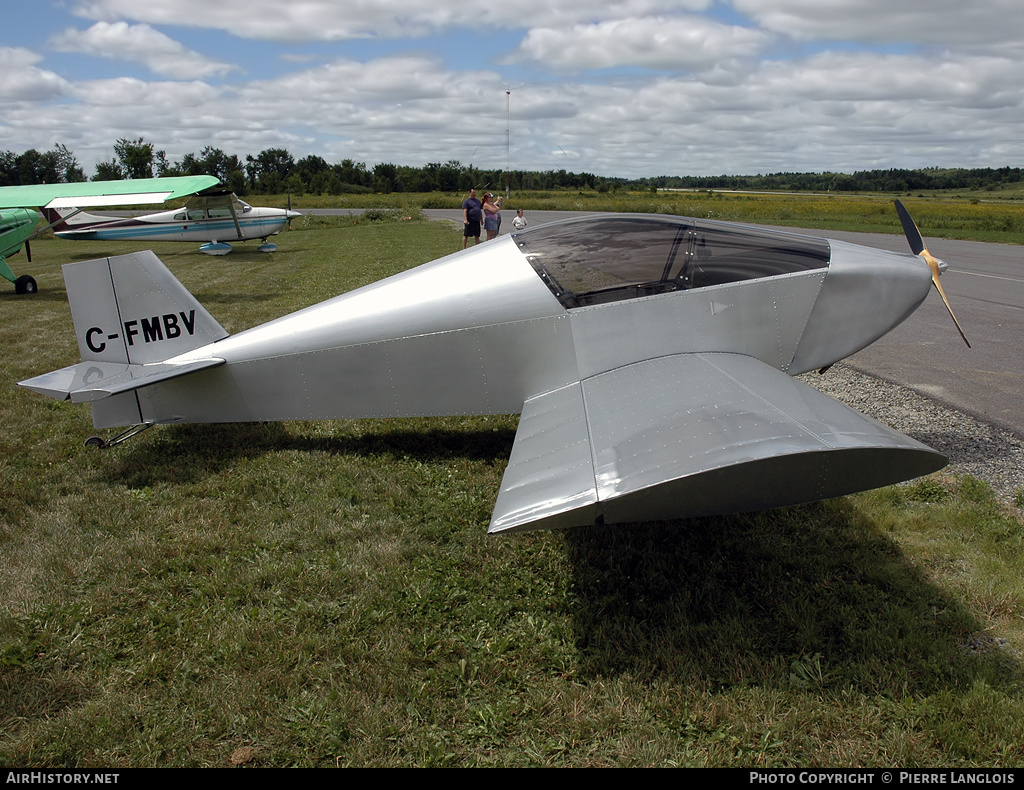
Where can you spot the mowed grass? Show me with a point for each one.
(325, 594)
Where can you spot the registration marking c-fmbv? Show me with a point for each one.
(151, 330)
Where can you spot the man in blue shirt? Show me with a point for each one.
(472, 212)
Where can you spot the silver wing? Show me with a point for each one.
(695, 435)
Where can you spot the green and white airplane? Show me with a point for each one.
(19, 220)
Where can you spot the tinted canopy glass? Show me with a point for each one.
(600, 259)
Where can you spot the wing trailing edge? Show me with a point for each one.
(692, 435)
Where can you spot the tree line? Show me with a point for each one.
(893, 180)
(275, 171)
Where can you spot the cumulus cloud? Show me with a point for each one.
(140, 43)
(327, 20)
(739, 87)
(946, 23)
(22, 80)
(664, 43)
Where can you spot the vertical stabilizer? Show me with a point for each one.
(130, 309)
(130, 314)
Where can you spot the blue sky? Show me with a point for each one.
(626, 88)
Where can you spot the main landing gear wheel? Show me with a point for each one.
(25, 285)
(95, 441)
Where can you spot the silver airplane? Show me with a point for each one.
(651, 359)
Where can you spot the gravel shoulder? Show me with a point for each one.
(973, 447)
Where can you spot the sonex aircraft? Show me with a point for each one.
(212, 216)
(650, 357)
(18, 220)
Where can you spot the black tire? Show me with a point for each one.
(95, 441)
(25, 285)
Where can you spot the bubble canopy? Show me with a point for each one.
(610, 258)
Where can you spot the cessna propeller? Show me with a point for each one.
(917, 246)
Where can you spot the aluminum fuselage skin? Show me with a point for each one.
(478, 332)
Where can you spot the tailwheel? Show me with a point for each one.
(100, 443)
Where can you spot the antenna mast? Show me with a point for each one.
(508, 140)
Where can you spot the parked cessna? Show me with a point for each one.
(212, 217)
(18, 222)
(650, 357)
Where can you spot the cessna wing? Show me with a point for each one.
(95, 194)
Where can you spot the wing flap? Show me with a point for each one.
(706, 434)
(549, 481)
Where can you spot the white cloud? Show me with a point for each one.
(664, 43)
(21, 80)
(945, 23)
(328, 20)
(737, 97)
(140, 43)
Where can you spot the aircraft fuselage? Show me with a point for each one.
(480, 331)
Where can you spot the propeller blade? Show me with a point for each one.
(910, 229)
(933, 264)
(918, 247)
(28, 251)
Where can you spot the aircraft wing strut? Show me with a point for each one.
(698, 434)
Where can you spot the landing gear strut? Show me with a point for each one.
(99, 442)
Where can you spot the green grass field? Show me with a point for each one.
(979, 217)
(324, 593)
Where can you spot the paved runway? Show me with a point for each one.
(984, 283)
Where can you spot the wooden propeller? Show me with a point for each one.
(918, 247)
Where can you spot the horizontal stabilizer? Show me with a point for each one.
(692, 435)
(91, 381)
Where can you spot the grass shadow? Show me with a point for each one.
(815, 596)
(186, 453)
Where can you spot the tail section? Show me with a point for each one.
(131, 309)
(63, 220)
(132, 319)
(55, 218)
